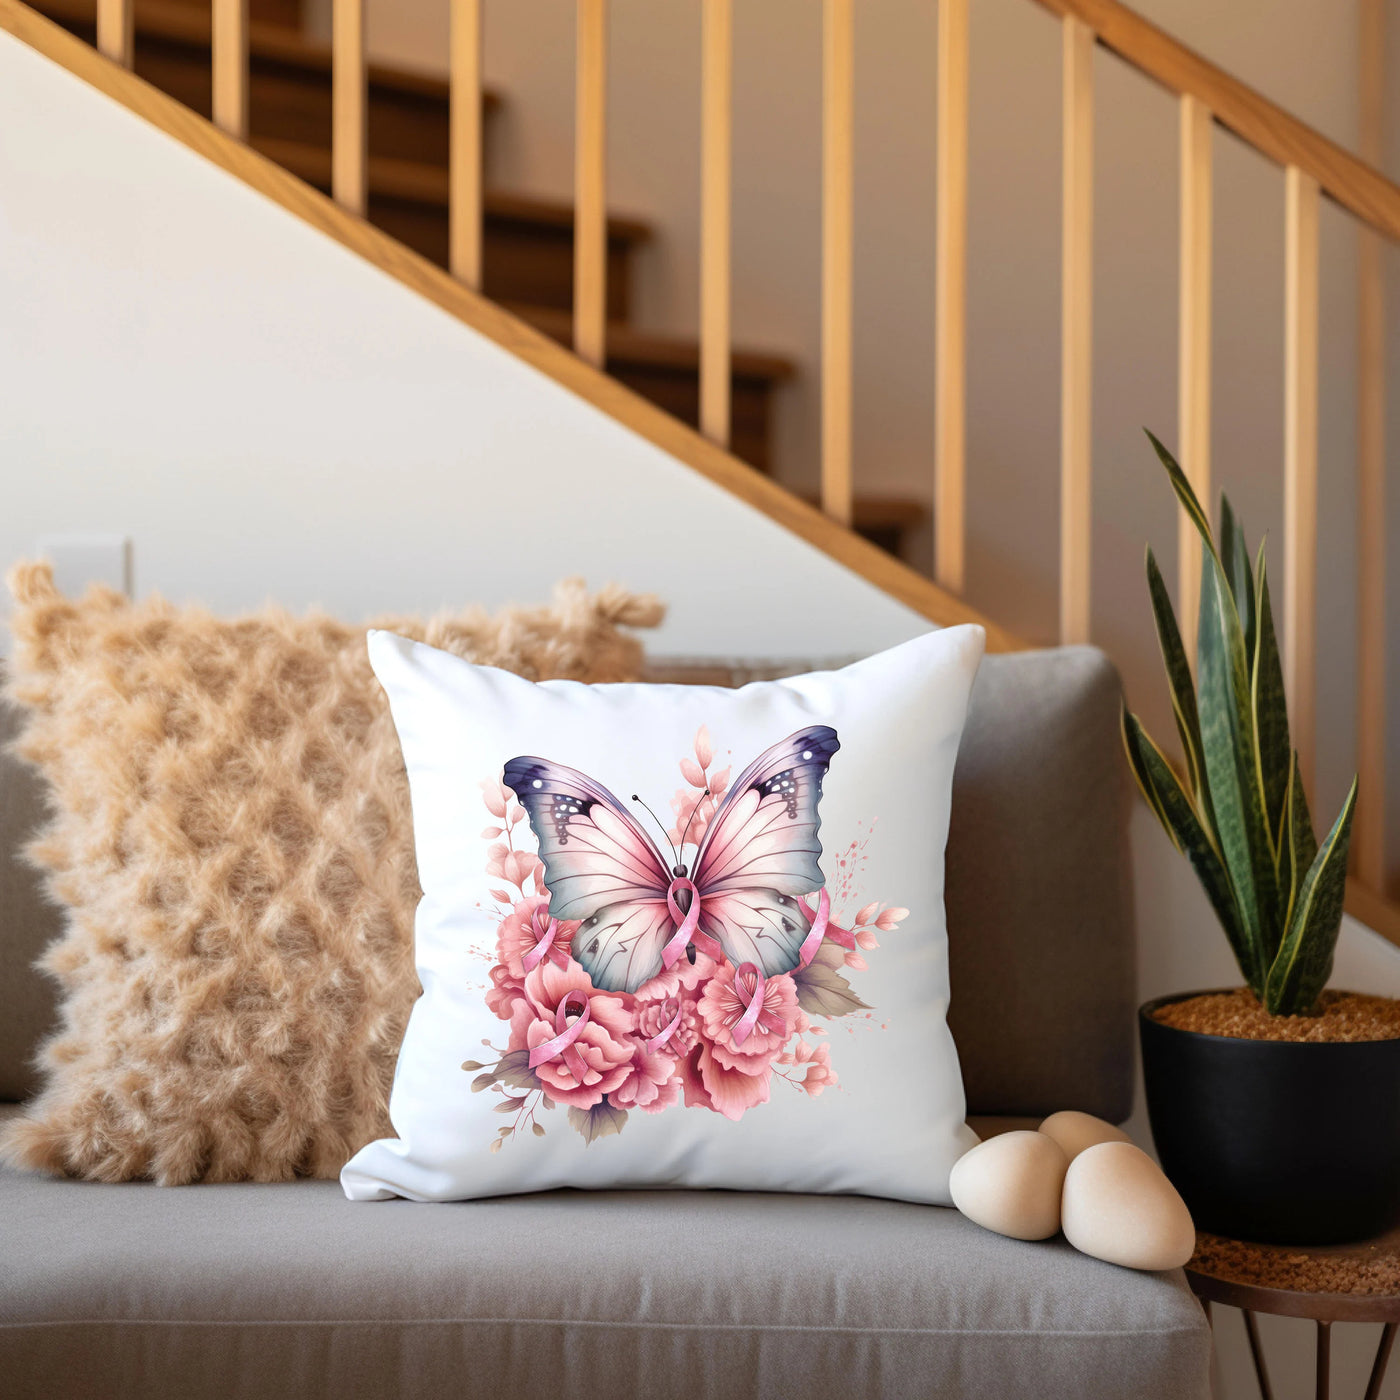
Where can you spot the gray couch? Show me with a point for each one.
(263, 1291)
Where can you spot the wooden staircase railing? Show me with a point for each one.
(1207, 96)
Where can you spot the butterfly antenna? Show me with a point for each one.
(675, 854)
(691, 818)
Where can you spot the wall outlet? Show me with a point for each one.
(81, 559)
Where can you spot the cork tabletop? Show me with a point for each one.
(1326, 1283)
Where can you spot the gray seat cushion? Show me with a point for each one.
(263, 1292)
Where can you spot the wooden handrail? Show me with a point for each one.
(1353, 184)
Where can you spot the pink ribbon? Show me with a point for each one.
(667, 1031)
(752, 997)
(688, 921)
(563, 1043)
(813, 941)
(545, 937)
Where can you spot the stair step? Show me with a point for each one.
(666, 370)
(289, 79)
(884, 520)
(528, 243)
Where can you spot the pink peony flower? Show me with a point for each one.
(654, 1016)
(683, 979)
(516, 936)
(727, 1091)
(605, 1044)
(721, 1008)
(505, 992)
(651, 1084)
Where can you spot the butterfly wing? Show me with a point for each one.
(594, 852)
(761, 851)
(764, 834)
(600, 867)
(759, 926)
(620, 946)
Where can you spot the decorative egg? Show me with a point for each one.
(1075, 1131)
(1119, 1206)
(1012, 1184)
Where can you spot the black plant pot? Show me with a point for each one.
(1286, 1142)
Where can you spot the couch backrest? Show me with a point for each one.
(1039, 893)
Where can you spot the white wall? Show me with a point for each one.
(267, 416)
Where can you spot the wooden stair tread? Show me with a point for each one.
(882, 512)
(425, 183)
(627, 345)
(183, 23)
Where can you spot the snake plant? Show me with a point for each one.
(1239, 814)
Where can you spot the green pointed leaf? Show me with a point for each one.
(1304, 961)
(1170, 801)
(1299, 847)
(1183, 688)
(1228, 741)
(1274, 757)
(1185, 494)
(1235, 556)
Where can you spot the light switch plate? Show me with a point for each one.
(82, 558)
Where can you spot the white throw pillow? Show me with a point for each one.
(678, 935)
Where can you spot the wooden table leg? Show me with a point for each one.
(1257, 1352)
(1324, 1360)
(1373, 1388)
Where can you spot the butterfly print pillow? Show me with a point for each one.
(677, 935)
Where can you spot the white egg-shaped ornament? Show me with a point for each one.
(1012, 1183)
(1120, 1207)
(1075, 1131)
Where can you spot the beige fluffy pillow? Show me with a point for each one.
(231, 840)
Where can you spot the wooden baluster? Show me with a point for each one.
(349, 148)
(1368, 838)
(838, 147)
(464, 145)
(716, 144)
(1300, 464)
(950, 302)
(116, 30)
(590, 183)
(229, 38)
(1076, 331)
(1193, 353)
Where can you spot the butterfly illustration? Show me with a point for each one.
(759, 853)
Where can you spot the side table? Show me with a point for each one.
(1325, 1283)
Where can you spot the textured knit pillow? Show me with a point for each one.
(231, 840)
(740, 981)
